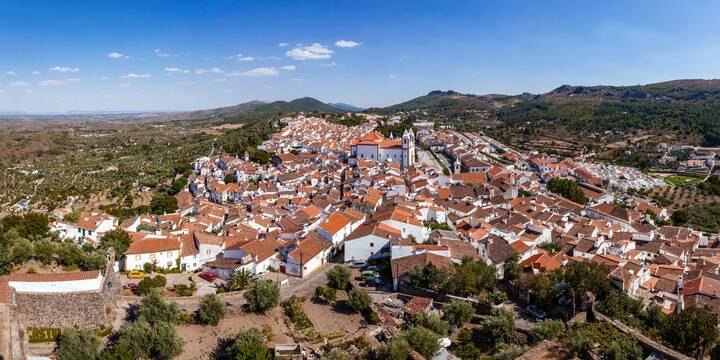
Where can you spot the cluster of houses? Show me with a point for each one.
(323, 197)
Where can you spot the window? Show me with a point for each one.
(138, 257)
(207, 251)
(169, 254)
(152, 256)
(372, 244)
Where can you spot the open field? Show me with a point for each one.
(679, 196)
(678, 180)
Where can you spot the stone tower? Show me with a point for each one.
(457, 166)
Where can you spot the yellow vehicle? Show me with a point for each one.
(136, 274)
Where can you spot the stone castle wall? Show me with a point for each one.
(83, 309)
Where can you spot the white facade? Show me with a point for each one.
(51, 287)
(164, 259)
(364, 247)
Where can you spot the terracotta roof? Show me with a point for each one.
(403, 265)
(153, 245)
(55, 277)
(335, 222)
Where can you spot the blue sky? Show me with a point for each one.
(183, 55)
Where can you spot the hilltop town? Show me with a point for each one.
(426, 243)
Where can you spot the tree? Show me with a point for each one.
(582, 277)
(359, 300)
(512, 267)
(142, 339)
(431, 322)
(693, 331)
(22, 251)
(230, 178)
(45, 251)
(250, 345)
(211, 310)
(78, 344)
(470, 277)
(239, 280)
(428, 277)
(568, 189)
(423, 340)
(155, 309)
(163, 204)
(93, 260)
(117, 239)
(458, 312)
(69, 254)
(396, 348)
(500, 324)
(262, 296)
(339, 277)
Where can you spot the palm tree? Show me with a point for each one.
(239, 279)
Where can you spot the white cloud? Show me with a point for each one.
(20, 83)
(28, 91)
(10, 72)
(262, 71)
(329, 64)
(347, 43)
(228, 90)
(52, 82)
(135, 76)
(35, 72)
(392, 76)
(2, 91)
(240, 57)
(162, 54)
(104, 78)
(220, 80)
(125, 85)
(297, 79)
(312, 52)
(172, 69)
(64, 69)
(288, 67)
(72, 79)
(283, 44)
(117, 55)
(207, 71)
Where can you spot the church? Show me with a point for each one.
(374, 146)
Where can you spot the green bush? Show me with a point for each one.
(211, 310)
(339, 277)
(293, 310)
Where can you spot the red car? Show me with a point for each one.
(208, 276)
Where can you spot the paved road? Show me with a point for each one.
(426, 157)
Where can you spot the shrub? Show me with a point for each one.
(293, 310)
(548, 329)
(211, 310)
(262, 296)
(326, 294)
(250, 345)
(339, 277)
(431, 322)
(155, 309)
(359, 300)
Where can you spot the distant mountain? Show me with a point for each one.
(687, 109)
(266, 111)
(438, 101)
(346, 107)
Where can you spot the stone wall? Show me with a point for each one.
(83, 309)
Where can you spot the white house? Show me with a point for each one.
(163, 251)
(368, 241)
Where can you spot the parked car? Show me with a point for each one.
(357, 264)
(372, 268)
(368, 274)
(536, 311)
(373, 282)
(136, 274)
(209, 276)
(130, 286)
